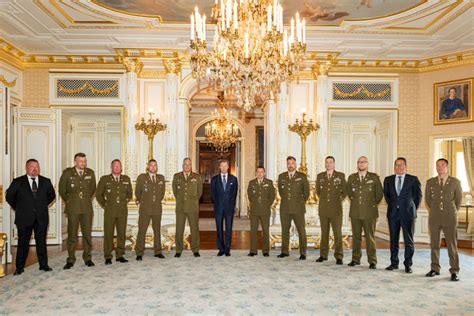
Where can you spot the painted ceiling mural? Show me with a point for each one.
(322, 12)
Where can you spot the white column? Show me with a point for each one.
(6, 168)
(322, 118)
(171, 106)
(282, 127)
(132, 114)
(182, 135)
(270, 129)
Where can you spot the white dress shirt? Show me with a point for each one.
(30, 180)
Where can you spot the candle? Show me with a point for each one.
(228, 13)
(274, 11)
(280, 8)
(285, 42)
(192, 27)
(269, 17)
(304, 31)
(292, 27)
(223, 14)
(204, 27)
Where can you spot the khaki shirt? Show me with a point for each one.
(187, 192)
(261, 196)
(149, 195)
(76, 191)
(293, 192)
(331, 192)
(114, 196)
(365, 195)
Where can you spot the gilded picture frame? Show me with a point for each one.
(453, 101)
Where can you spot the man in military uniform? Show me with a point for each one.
(331, 190)
(261, 194)
(187, 189)
(293, 187)
(77, 187)
(443, 196)
(365, 192)
(114, 191)
(149, 192)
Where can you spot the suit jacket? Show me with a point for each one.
(224, 201)
(27, 207)
(409, 199)
(293, 192)
(150, 195)
(261, 197)
(365, 195)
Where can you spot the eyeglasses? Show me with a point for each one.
(362, 162)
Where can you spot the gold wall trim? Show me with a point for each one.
(6, 83)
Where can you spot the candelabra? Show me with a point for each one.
(303, 128)
(150, 128)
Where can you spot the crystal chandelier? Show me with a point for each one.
(253, 53)
(221, 133)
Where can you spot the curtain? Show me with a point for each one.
(468, 149)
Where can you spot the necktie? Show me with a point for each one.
(34, 187)
(441, 182)
(117, 179)
(224, 182)
(186, 176)
(399, 185)
(153, 178)
(80, 174)
(259, 182)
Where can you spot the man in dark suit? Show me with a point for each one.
(30, 195)
(224, 188)
(402, 192)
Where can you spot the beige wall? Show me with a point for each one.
(416, 116)
(36, 88)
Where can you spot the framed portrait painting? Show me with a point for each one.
(453, 101)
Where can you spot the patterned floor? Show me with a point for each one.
(238, 285)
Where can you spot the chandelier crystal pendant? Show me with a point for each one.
(252, 52)
(221, 133)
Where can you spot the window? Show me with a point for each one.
(461, 173)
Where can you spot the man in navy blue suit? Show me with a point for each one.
(402, 192)
(224, 194)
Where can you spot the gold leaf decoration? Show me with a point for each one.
(362, 89)
(87, 85)
(8, 84)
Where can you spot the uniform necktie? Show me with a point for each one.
(259, 182)
(224, 182)
(186, 176)
(153, 178)
(399, 185)
(441, 182)
(80, 174)
(117, 179)
(34, 187)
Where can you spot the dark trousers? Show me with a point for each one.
(407, 224)
(228, 216)
(24, 236)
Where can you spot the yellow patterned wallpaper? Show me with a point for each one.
(416, 116)
(36, 88)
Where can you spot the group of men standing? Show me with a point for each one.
(31, 194)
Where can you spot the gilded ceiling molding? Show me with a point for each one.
(133, 65)
(321, 68)
(8, 84)
(172, 65)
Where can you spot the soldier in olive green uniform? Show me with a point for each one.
(261, 194)
(331, 190)
(149, 192)
(365, 192)
(443, 196)
(187, 189)
(77, 187)
(114, 191)
(293, 187)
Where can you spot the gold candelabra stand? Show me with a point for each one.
(150, 128)
(303, 128)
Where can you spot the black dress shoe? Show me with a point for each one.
(339, 261)
(89, 263)
(227, 254)
(46, 269)
(283, 255)
(220, 253)
(408, 270)
(251, 254)
(266, 254)
(302, 257)
(196, 254)
(432, 273)
(139, 258)
(122, 260)
(321, 259)
(159, 255)
(454, 277)
(68, 266)
(177, 255)
(18, 271)
(391, 267)
(108, 261)
(353, 263)
(373, 266)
